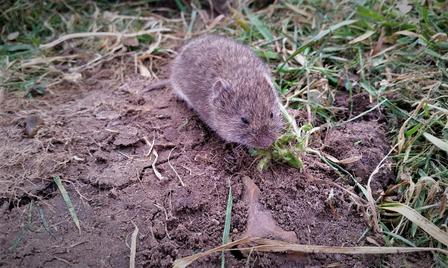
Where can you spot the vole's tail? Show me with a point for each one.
(157, 85)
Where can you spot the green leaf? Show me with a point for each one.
(145, 39)
(414, 129)
(292, 160)
(307, 127)
(269, 55)
(263, 163)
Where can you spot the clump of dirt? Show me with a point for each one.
(366, 141)
(95, 137)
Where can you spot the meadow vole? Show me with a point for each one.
(230, 88)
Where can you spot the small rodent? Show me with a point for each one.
(230, 88)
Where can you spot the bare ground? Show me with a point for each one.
(93, 137)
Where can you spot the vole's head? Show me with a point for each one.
(247, 111)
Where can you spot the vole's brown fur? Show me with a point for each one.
(230, 88)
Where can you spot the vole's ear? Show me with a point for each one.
(221, 92)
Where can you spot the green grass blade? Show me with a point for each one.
(370, 14)
(226, 233)
(180, 5)
(67, 201)
(259, 25)
(331, 29)
(317, 37)
(399, 237)
(44, 221)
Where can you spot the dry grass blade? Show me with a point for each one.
(2, 95)
(156, 155)
(372, 204)
(441, 144)
(67, 201)
(407, 33)
(100, 34)
(47, 60)
(343, 161)
(151, 145)
(290, 120)
(184, 262)
(143, 70)
(362, 37)
(133, 247)
(174, 170)
(415, 217)
(156, 172)
(401, 136)
(268, 245)
(299, 11)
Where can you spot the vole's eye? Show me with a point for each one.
(272, 115)
(244, 120)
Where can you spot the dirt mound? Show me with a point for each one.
(96, 136)
(364, 140)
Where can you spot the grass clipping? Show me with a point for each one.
(268, 245)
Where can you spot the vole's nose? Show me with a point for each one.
(264, 142)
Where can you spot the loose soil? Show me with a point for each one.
(94, 136)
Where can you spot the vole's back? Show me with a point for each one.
(230, 88)
(203, 60)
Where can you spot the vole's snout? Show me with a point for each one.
(264, 142)
(265, 137)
